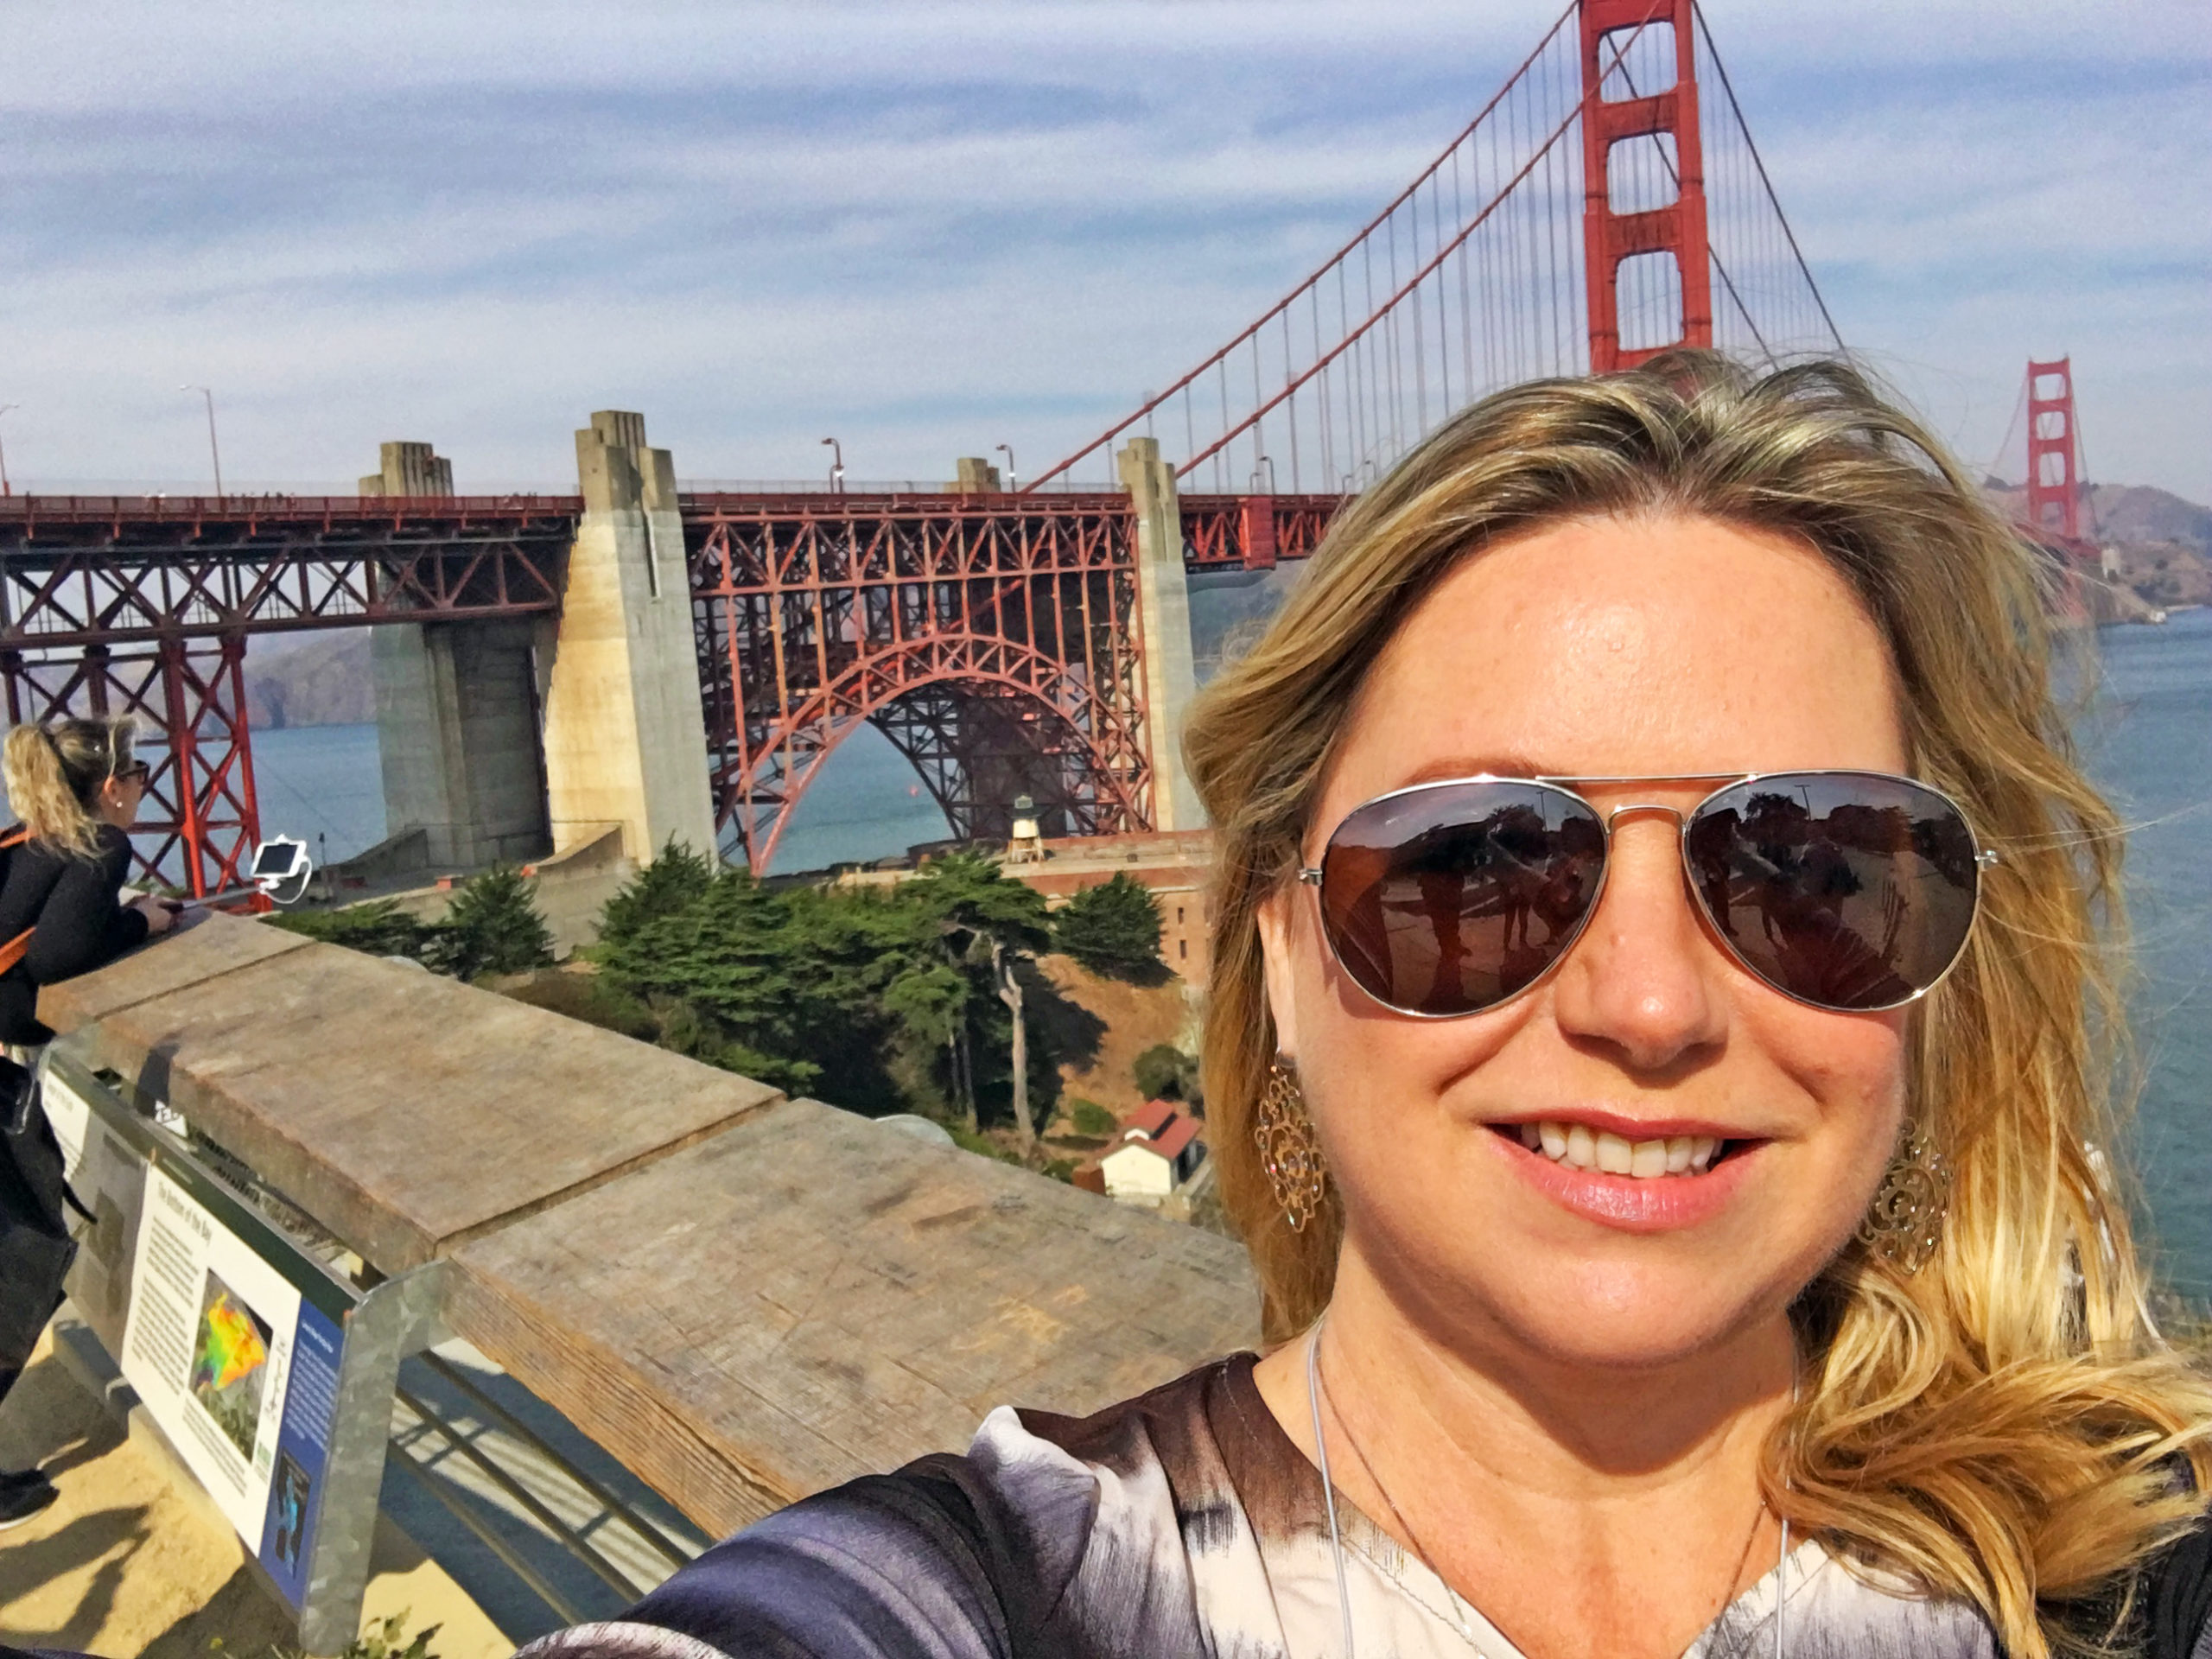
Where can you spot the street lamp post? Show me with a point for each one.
(1013, 478)
(836, 466)
(6, 488)
(213, 453)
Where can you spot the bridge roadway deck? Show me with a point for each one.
(743, 1297)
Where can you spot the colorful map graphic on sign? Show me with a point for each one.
(227, 1357)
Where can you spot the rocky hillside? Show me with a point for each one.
(2164, 543)
(309, 679)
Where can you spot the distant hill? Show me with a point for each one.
(2130, 515)
(309, 679)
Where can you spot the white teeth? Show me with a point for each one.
(1575, 1145)
(1614, 1154)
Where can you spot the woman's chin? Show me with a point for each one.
(1625, 1314)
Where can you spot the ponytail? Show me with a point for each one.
(54, 774)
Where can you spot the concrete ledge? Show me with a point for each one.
(745, 1298)
(404, 1112)
(218, 945)
(810, 1296)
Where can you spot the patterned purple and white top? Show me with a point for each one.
(1184, 1522)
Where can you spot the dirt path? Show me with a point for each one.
(136, 1560)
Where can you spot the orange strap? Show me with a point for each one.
(12, 952)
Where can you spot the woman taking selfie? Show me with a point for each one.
(1652, 1050)
(76, 787)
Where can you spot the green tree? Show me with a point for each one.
(983, 916)
(1112, 929)
(493, 927)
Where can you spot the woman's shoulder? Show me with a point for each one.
(1053, 1532)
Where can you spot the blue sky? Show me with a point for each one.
(929, 229)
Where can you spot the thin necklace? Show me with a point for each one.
(1317, 1392)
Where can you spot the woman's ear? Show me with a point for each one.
(1278, 917)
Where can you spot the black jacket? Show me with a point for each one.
(80, 925)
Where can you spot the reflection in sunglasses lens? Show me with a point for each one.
(1852, 890)
(1449, 900)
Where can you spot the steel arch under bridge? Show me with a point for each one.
(999, 649)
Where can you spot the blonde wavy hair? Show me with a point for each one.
(55, 774)
(2004, 1426)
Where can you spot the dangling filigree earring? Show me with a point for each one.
(1289, 1150)
(1905, 1224)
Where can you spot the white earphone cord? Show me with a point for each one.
(1337, 1536)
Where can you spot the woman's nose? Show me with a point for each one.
(1643, 981)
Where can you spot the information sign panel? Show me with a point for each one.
(235, 1342)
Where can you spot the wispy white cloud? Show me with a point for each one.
(933, 228)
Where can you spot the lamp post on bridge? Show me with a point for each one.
(1013, 478)
(836, 466)
(6, 488)
(213, 453)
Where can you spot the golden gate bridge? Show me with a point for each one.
(1607, 202)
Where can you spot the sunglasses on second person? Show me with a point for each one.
(1849, 891)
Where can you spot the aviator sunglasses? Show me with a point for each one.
(1849, 891)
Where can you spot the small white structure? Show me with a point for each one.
(1160, 1148)
(1027, 846)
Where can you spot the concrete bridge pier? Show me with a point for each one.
(457, 719)
(626, 732)
(1164, 612)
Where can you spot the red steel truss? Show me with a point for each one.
(994, 640)
(113, 605)
(199, 821)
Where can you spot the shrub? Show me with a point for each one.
(492, 928)
(1091, 1118)
(1165, 1072)
(379, 929)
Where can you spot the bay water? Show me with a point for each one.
(2146, 735)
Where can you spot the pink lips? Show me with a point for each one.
(1654, 1205)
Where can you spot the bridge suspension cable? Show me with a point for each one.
(1474, 278)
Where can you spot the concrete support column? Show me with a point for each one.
(625, 733)
(456, 714)
(1164, 612)
(409, 469)
(457, 734)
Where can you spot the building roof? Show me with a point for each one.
(1149, 1119)
(1162, 1128)
(1177, 1135)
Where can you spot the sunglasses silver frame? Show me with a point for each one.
(1722, 782)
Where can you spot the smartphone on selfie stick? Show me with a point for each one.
(279, 863)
